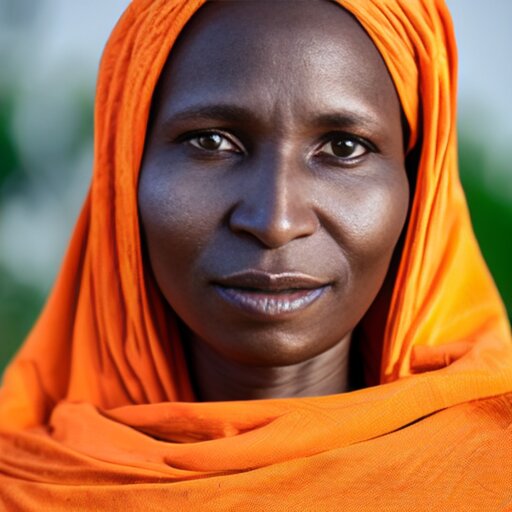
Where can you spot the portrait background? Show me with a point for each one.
(49, 53)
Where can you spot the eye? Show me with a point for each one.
(212, 141)
(345, 147)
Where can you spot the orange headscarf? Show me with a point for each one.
(97, 412)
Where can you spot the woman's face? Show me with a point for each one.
(273, 189)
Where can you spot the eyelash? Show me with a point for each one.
(197, 135)
(364, 144)
(367, 146)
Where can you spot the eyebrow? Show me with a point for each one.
(353, 119)
(219, 112)
(357, 118)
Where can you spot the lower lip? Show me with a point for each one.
(270, 304)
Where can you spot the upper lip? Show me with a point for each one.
(260, 280)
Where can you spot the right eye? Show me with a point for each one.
(213, 142)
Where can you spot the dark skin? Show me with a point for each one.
(272, 194)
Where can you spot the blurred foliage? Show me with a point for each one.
(21, 300)
(491, 215)
(19, 307)
(10, 162)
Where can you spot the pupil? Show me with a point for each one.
(343, 147)
(212, 141)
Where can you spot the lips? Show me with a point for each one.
(270, 295)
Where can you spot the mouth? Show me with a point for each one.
(270, 295)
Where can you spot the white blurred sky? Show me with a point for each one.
(484, 36)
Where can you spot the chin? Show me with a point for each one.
(271, 349)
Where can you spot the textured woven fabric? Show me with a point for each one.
(97, 411)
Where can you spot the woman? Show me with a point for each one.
(285, 223)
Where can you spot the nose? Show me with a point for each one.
(275, 206)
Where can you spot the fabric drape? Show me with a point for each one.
(97, 411)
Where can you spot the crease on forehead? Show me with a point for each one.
(288, 30)
(232, 113)
(205, 65)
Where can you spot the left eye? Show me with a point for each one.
(347, 148)
(212, 142)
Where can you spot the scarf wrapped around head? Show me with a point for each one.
(97, 410)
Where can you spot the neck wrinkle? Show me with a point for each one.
(216, 378)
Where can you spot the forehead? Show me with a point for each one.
(285, 55)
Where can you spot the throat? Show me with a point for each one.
(216, 378)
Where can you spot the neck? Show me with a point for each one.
(219, 379)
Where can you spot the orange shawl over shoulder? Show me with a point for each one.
(96, 410)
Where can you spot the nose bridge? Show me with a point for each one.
(275, 205)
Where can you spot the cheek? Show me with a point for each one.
(380, 219)
(177, 219)
(373, 217)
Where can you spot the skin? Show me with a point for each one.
(304, 173)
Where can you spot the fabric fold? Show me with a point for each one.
(97, 410)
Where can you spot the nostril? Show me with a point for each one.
(274, 225)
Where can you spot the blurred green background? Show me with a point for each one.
(49, 51)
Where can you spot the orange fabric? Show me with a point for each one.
(96, 410)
